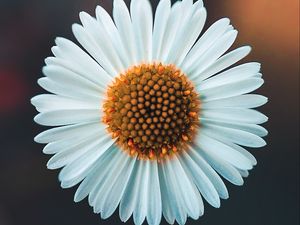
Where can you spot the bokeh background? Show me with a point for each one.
(30, 194)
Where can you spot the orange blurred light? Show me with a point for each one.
(269, 23)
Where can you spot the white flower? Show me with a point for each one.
(148, 116)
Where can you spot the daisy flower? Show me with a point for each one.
(147, 116)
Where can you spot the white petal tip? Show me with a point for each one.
(216, 204)
(225, 196)
(45, 68)
(234, 32)
(51, 166)
(225, 20)
(33, 100)
(266, 133)
(265, 119)
(105, 216)
(64, 186)
(55, 50)
(117, 3)
(97, 211)
(37, 140)
(249, 166)
(47, 152)
(203, 11)
(76, 200)
(247, 48)
(37, 119)
(58, 40)
(263, 143)
(78, 197)
(83, 14)
(239, 183)
(266, 99)
(47, 60)
(76, 28)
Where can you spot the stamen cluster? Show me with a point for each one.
(153, 110)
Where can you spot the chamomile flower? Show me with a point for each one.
(146, 114)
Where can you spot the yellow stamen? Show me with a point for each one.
(184, 137)
(187, 92)
(164, 150)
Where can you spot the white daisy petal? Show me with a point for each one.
(235, 115)
(176, 201)
(242, 101)
(209, 144)
(161, 18)
(92, 71)
(140, 209)
(210, 173)
(188, 191)
(103, 166)
(231, 90)
(88, 42)
(212, 54)
(187, 36)
(167, 201)
(67, 91)
(182, 25)
(106, 21)
(98, 34)
(103, 188)
(235, 74)
(99, 76)
(142, 21)
(187, 4)
(130, 197)
(66, 132)
(197, 5)
(72, 152)
(80, 166)
(123, 23)
(93, 184)
(72, 80)
(68, 117)
(224, 168)
(69, 182)
(204, 185)
(75, 139)
(205, 42)
(171, 28)
(48, 102)
(242, 151)
(154, 196)
(251, 128)
(117, 190)
(233, 135)
(244, 173)
(224, 62)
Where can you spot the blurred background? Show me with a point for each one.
(30, 194)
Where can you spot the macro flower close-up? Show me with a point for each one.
(149, 112)
(147, 115)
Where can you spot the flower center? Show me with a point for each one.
(153, 110)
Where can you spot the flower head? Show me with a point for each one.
(147, 117)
